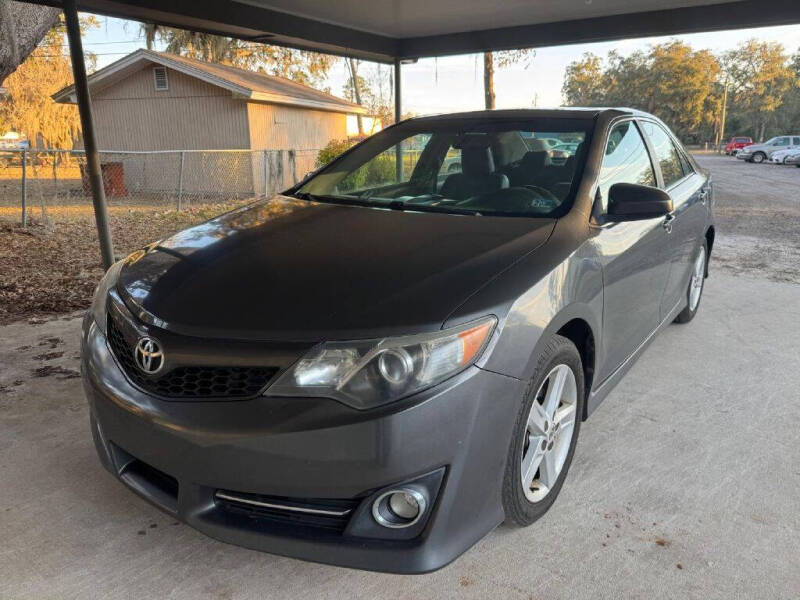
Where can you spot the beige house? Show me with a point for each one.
(155, 101)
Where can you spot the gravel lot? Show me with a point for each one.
(758, 217)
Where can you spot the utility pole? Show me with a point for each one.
(724, 115)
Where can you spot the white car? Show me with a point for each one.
(779, 157)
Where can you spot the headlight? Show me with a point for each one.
(370, 373)
(100, 299)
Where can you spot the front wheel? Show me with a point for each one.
(758, 157)
(545, 434)
(695, 291)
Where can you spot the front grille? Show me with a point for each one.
(326, 514)
(190, 381)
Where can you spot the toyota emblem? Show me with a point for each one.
(148, 355)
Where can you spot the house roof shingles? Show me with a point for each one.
(250, 85)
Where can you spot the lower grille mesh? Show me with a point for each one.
(190, 381)
(333, 515)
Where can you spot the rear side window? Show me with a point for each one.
(626, 160)
(667, 154)
(796, 141)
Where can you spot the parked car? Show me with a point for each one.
(781, 156)
(377, 373)
(758, 153)
(737, 143)
(793, 159)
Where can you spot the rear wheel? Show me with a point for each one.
(758, 157)
(545, 434)
(696, 282)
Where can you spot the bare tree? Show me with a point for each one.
(355, 82)
(505, 58)
(22, 27)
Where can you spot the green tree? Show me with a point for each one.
(760, 77)
(307, 68)
(584, 82)
(670, 80)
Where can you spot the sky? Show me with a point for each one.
(455, 83)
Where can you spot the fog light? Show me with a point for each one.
(399, 508)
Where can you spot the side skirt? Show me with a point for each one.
(601, 391)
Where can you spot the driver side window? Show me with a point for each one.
(626, 161)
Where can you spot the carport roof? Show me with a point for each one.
(385, 30)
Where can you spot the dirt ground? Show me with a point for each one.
(758, 217)
(52, 266)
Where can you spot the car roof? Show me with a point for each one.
(532, 113)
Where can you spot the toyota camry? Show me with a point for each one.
(379, 366)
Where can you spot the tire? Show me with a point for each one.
(692, 306)
(558, 366)
(758, 158)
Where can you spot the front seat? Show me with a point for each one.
(477, 175)
(530, 168)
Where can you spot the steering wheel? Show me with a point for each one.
(545, 193)
(515, 199)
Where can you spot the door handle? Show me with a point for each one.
(667, 224)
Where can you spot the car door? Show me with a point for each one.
(631, 253)
(689, 192)
(781, 143)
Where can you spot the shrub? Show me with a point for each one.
(379, 171)
(331, 151)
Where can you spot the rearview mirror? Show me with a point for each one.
(634, 202)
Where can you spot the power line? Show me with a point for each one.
(90, 43)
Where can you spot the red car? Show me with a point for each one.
(737, 143)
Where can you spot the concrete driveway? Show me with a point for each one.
(685, 485)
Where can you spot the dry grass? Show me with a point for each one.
(53, 267)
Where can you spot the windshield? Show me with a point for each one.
(497, 167)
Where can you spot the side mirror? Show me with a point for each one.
(634, 202)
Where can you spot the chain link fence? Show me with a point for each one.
(43, 183)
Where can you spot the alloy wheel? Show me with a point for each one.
(547, 436)
(696, 284)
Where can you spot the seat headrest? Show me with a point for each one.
(534, 160)
(476, 160)
(537, 145)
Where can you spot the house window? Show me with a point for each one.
(160, 77)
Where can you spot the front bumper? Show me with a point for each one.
(300, 448)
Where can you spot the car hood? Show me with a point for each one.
(298, 270)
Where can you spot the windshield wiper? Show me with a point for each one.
(392, 205)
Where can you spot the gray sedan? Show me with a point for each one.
(377, 367)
